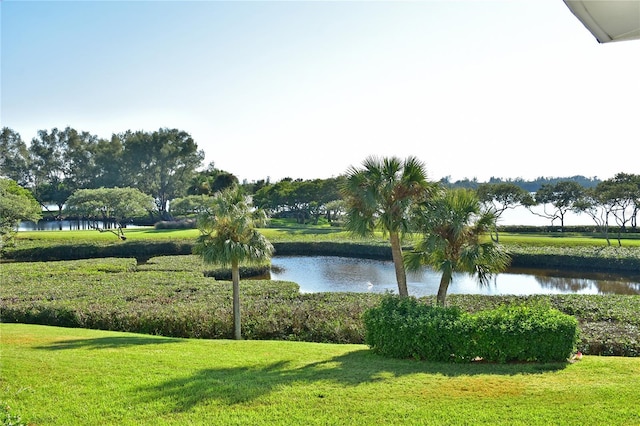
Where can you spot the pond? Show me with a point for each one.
(339, 274)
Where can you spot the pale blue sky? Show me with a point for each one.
(306, 89)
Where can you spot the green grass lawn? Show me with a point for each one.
(58, 376)
(287, 231)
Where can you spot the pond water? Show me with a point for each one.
(339, 274)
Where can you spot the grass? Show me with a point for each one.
(288, 231)
(59, 376)
(566, 240)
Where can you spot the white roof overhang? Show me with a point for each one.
(608, 20)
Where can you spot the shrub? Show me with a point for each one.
(524, 333)
(403, 327)
(176, 224)
(407, 328)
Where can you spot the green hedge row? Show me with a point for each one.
(626, 259)
(408, 328)
(141, 250)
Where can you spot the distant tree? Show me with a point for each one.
(190, 205)
(275, 198)
(16, 204)
(627, 188)
(563, 196)
(61, 161)
(454, 228)
(160, 163)
(109, 205)
(595, 203)
(502, 196)
(210, 181)
(229, 237)
(380, 196)
(335, 210)
(14, 157)
(48, 168)
(109, 163)
(79, 149)
(619, 197)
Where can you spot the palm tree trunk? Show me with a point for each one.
(445, 279)
(235, 278)
(396, 252)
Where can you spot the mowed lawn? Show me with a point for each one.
(60, 376)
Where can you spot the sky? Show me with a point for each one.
(275, 89)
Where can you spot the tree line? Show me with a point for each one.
(57, 163)
(167, 165)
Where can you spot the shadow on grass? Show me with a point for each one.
(237, 385)
(106, 343)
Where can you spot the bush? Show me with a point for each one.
(524, 333)
(402, 327)
(407, 328)
(176, 224)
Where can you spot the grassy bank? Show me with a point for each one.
(57, 376)
(171, 296)
(579, 251)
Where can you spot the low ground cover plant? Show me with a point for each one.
(408, 328)
(171, 296)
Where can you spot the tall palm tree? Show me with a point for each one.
(456, 239)
(229, 237)
(379, 196)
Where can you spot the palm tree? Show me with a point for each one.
(229, 237)
(379, 197)
(455, 239)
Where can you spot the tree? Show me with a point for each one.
(562, 196)
(109, 161)
(14, 157)
(210, 181)
(503, 196)
(61, 161)
(596, 203)
(161, 163)
(47, 168)
(16, 204)
(455, 239)
(189, 205)
(109, 205)
(379, 196)
(229, 237)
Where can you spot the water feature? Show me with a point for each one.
(338, 274)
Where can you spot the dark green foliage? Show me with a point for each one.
(170, 296)
(581, 258)
(141, 250)
(176, 224)
(408, 328)
(332, 248)
(524, 333)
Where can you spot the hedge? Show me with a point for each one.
(408, 328)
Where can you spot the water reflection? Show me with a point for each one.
(338, 274)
